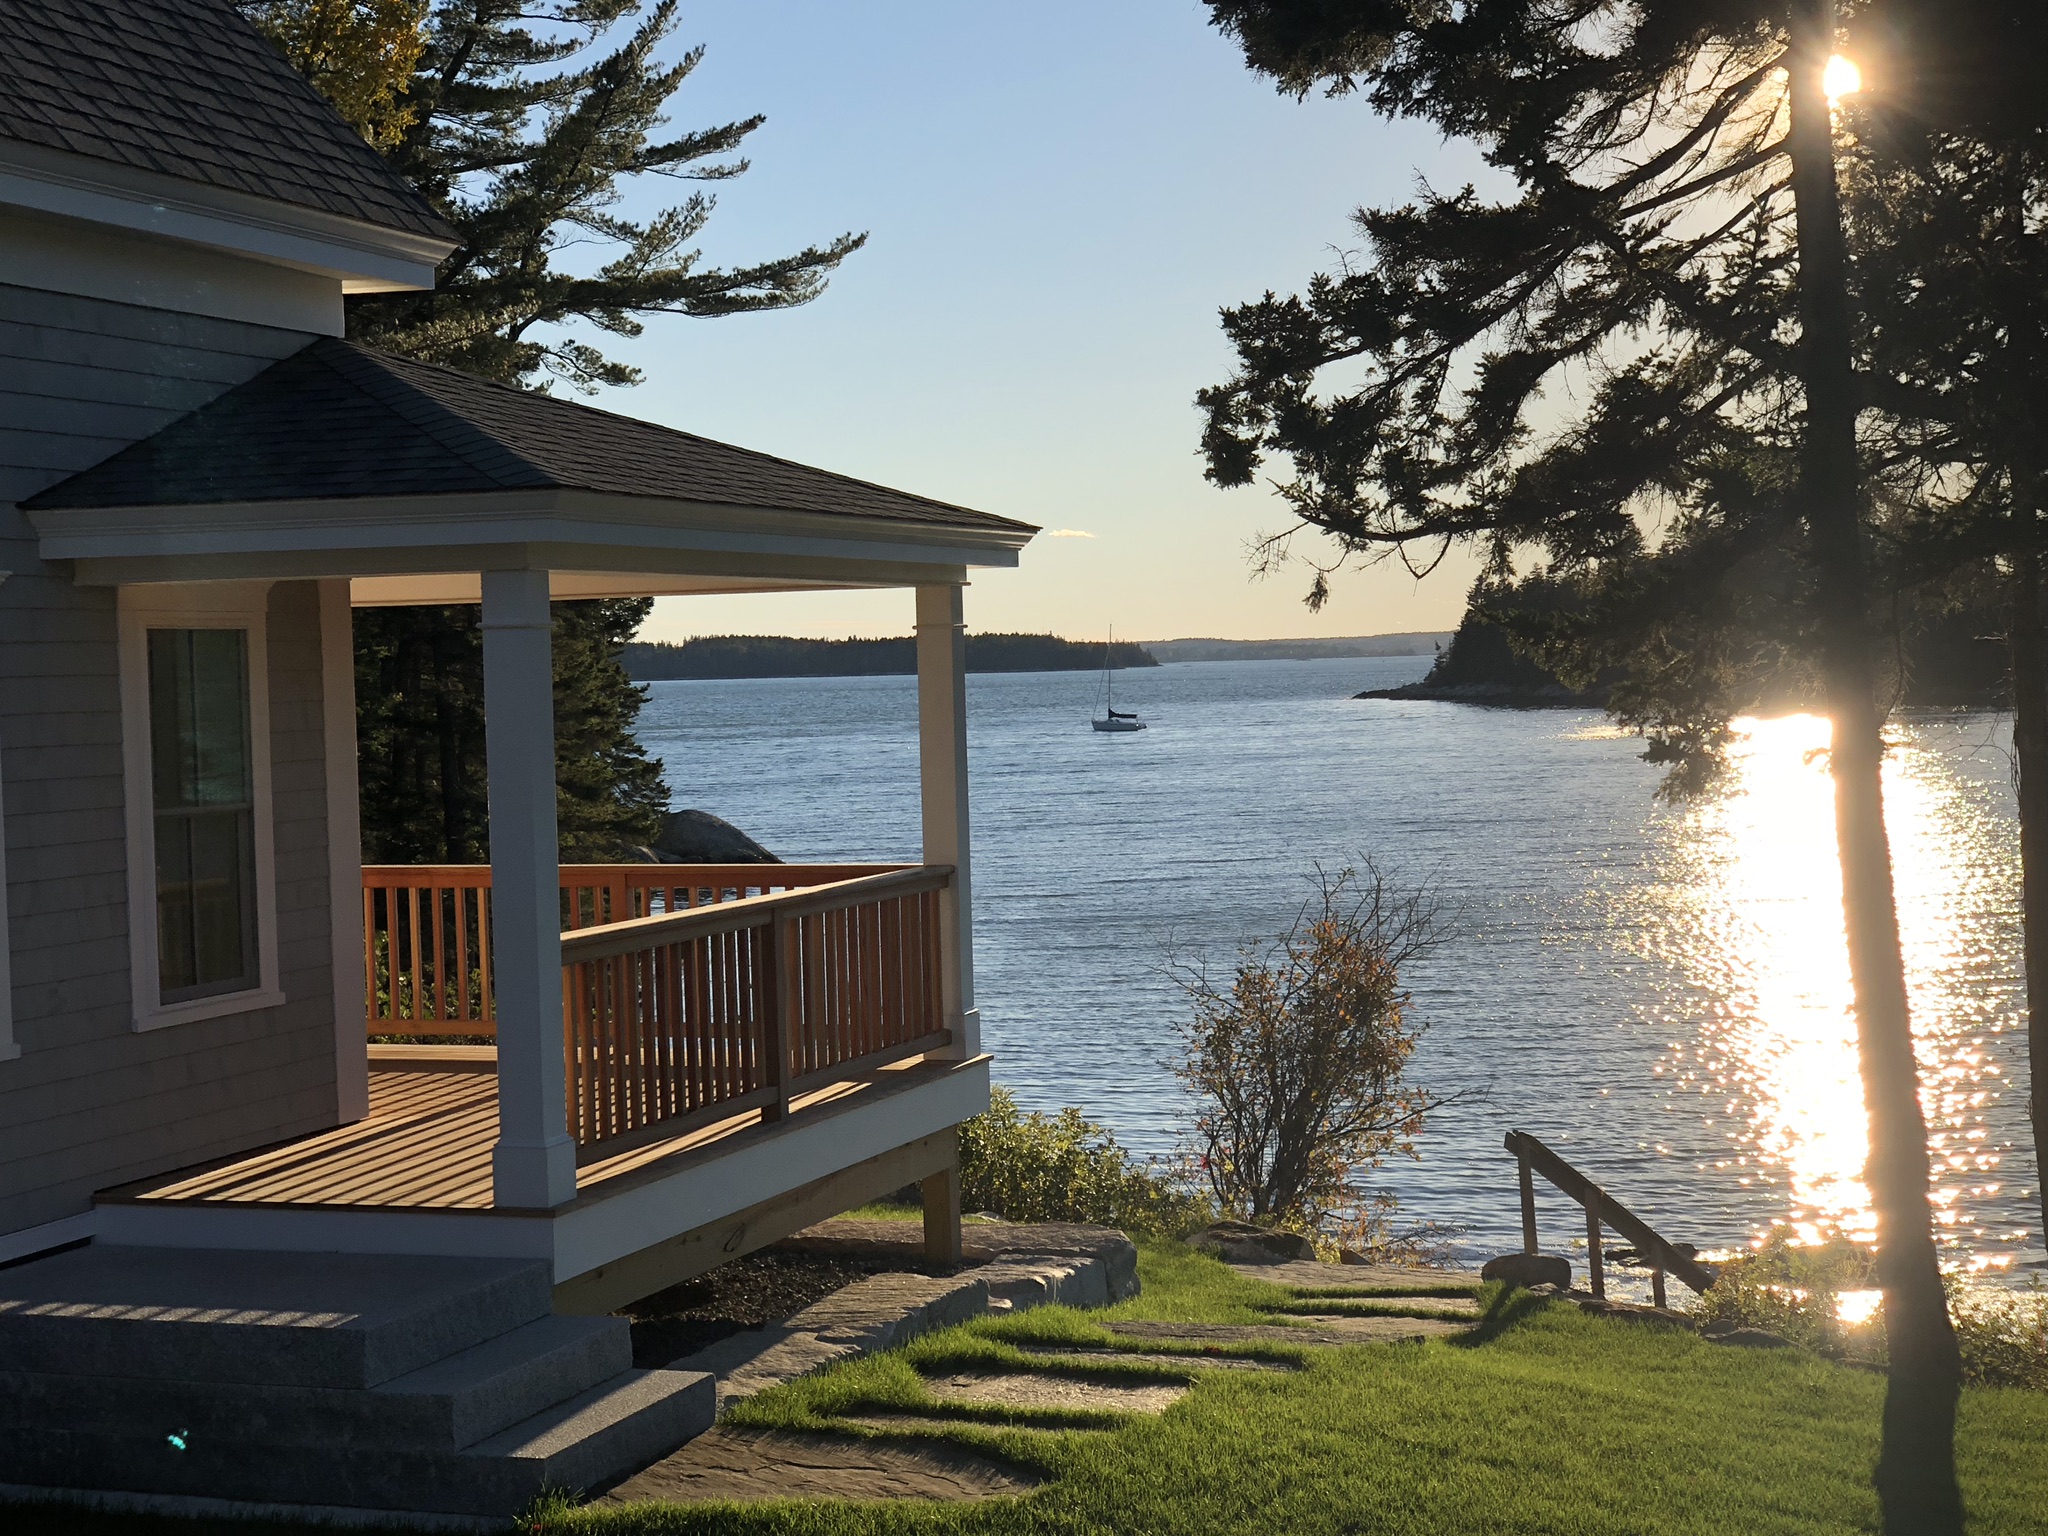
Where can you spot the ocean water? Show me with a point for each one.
(1659, 992)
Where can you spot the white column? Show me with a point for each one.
(942, 753)
(344, 848)
(534, 1162)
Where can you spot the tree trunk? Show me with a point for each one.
(1916, 1481)
(2029, 642)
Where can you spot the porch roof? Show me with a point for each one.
(340, 460)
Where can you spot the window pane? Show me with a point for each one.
(198, 717)
(202, 783)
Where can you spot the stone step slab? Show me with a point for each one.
(1300, 1274)
(263, 1318)
(442, 1407)
(1017, 1285)
(871, 1315)
(749, 1466)
(601, 1434)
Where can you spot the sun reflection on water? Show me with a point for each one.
(1753, 916)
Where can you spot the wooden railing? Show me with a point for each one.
(1602, 1210)
(427, 928)
(683, 1018)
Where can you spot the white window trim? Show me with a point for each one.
(239, 605)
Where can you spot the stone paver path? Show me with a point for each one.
(916, 1460)
(725, 1463)
(1134, 1357)
(1022, 1390)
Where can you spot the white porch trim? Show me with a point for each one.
(534, 1162)
(344, 848)
(595, 1229)
(942, 761)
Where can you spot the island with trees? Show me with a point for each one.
(713, 656)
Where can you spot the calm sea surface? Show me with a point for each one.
(1660, 993)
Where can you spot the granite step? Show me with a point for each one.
(594, 1438)
(444, 1406)
(264, 1318)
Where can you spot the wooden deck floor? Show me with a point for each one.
(426, 1144)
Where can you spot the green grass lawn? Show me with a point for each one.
(1545, 1421)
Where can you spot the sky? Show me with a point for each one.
(1059, 198)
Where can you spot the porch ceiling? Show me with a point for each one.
(341, 461)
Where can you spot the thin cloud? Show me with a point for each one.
(1068, 533)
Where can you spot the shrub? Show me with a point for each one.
(1295, 1062)
(1064, 1167)
(1795, 1290)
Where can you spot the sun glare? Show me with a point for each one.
(1841, 78)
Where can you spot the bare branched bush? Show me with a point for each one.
(1295, 1061)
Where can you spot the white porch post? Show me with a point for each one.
(942, 750)
(344, 848)
(534, 1162)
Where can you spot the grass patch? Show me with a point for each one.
(1543, 1420)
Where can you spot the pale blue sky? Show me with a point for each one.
(1059, 197)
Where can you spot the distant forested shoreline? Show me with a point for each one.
(714, 656)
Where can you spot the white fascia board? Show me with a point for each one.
(607, 1225)
(367, 258)
(522, 529)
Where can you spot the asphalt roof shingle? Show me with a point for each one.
(338, 420)
(188, 88)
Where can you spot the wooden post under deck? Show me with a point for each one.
(533, 1164)
(1528, 1205)
(942, 1241)
(942, 762)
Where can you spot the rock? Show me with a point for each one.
(698, 837)
(1721, 1331)
(1629, 1311)
(1238, 1242)
(1529, 1269)
(1351, 1256)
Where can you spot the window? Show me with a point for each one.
(196, 736)
(203, 784)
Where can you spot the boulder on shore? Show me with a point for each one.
(698, 837)
(1525, 1271)
(1239, 1242)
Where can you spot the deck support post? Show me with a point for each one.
(942, 756)
(1596, 1272)
(533, 1164)
(941, 1192)
(1528, 1205)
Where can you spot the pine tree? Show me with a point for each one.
(522, 122)
(1675, 257)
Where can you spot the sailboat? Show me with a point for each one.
(1113, 719)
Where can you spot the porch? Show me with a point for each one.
(708, 1012)
(632, 1071)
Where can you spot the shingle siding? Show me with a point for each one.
(91, 1103)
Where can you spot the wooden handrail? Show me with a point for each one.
(426, 927)
(673, 1019)
(747, 912)
(1601, 1209)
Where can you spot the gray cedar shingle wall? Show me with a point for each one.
(89, 1102)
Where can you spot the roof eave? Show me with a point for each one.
(362, 536)
(365, 257)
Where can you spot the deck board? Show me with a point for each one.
(425, 1145)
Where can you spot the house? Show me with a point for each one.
(212, 1184)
